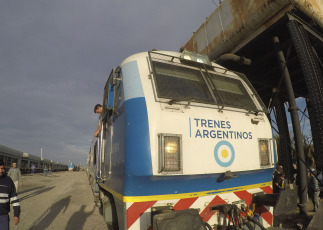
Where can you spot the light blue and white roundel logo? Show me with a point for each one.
(224, 153)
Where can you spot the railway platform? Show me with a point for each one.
(63, 201)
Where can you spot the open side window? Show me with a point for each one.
(112, 94)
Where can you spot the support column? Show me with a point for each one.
(314, 83)
(284, 157)
(293, 109)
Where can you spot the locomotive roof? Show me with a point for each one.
(14, 152)
(7, 150)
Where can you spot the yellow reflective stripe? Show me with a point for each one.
(181, 195)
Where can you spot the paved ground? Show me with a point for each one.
(295, 220)
(63, 201)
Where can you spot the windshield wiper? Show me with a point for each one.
(172, 101)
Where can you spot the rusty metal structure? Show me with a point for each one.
(246, 29)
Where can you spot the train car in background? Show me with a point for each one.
(71, 167)
(37, 162)
(25, 161)
(183, 140)
(9, 155)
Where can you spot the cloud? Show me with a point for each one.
(55, 57)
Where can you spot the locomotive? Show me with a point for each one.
(182, 140)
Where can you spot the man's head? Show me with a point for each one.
(98, 109)
(280, 168)
(2, 171)
(14, 164)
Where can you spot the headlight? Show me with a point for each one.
(264, 153)
(171, 146)
(170, 156)
(187, 57)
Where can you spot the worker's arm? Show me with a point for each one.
(19, 177)
(96, 133)
(15, 203)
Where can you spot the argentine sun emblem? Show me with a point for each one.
(224, 153)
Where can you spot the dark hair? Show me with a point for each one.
(1, 162)
(96, 107)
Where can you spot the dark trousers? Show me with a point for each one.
(316, 199)
(4, 222)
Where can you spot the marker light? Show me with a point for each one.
(200, 58)
(187, 57)
(170, 157)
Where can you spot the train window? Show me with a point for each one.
(232, 92)
(110, 98)
(264, 153)
(170, 154)
(5, 160)
(180, 83)
(24, 164)
(107, 89)
(9, 161)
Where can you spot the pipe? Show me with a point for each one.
(229, 57)
(293, 109)
(284, 153)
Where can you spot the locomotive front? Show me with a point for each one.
(182, 136)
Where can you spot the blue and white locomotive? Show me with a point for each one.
(180, 133)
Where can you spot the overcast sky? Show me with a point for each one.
(55, 57)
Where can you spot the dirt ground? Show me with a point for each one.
(63, 201)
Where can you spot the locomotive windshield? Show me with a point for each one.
(191, 81)
(232, 92)
(179, 83)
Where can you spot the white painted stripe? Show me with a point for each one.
(16, 204)
(4, 195)
(13, 198)
(200, 203)
(3, 201)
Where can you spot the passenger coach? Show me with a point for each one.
(25, 161)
